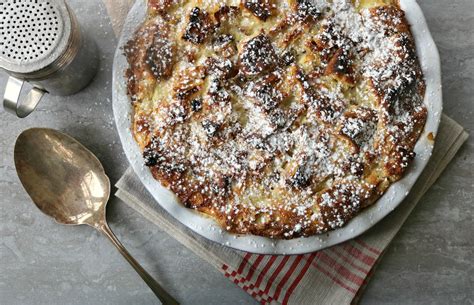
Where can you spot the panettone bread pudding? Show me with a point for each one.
(276, 118)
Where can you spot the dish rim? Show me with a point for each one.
(208, 228)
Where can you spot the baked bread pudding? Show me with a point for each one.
(276, 118)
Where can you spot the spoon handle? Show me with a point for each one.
(164, 297)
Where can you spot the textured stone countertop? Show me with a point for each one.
(431, 261)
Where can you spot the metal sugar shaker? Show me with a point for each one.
(42, 43)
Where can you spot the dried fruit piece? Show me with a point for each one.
(198, 27)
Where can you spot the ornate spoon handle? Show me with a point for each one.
(164, 297)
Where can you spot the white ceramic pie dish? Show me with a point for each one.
(208, 228)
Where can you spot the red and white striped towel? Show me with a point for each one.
(270, 278)
(336, 275)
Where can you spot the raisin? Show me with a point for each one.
(151, 157)
(223, 39)
(217, 92)
(301, 178)
(196, 104)
(210, 127)
(198, 27)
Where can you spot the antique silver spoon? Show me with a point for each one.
(67, 182)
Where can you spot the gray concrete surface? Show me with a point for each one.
(430, 261)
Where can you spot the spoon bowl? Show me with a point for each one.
(67, 182)
(49, 163)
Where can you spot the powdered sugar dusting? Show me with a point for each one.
(280, 147)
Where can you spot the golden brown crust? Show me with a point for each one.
(276, 118)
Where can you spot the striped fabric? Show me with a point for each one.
(272, 279)
(337, 275)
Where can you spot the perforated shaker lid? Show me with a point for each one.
(33, 34)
